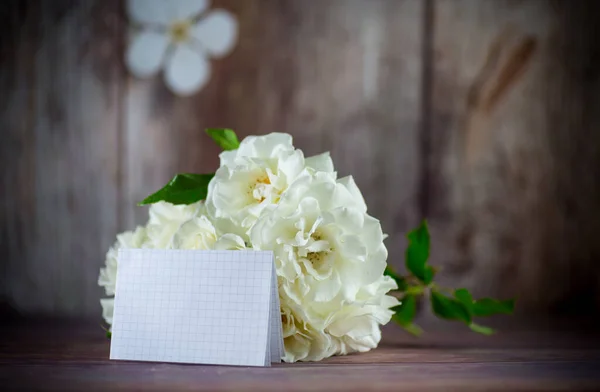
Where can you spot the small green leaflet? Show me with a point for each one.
(481, 329)
(449, 308)
(461, 307)
(405, 314)
(225, 138)
(184, 188)
(464, 296)
(108, 332)
(417, 253)
(489, 307)
(400, 281)
(485, 306)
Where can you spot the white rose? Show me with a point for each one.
(108, 307)
(255, 176)
(322, 237)
(199, 233)
(126, 240)
(355, 326)
(108, 274)
(301, 340)
(166, 219)
(170, 227)
(330, 259)
(261, 147)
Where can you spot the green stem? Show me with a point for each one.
(415, 290)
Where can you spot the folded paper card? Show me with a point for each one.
(192, 306)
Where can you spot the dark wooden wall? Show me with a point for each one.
(482, 116)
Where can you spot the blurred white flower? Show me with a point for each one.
(178, 35)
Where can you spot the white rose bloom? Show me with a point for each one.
(170, 227)
(126, 240)
(330, 259)
(355, 327)
(255, 176)
(108, 274)
(108, 307)
(229, 242)
(199, 233)
(166, 219)
(301, 340)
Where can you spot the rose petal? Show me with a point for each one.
(227, 157)
(325, 290)
(350, 185)
(267, 146)
(187, 71)
(217, 32)
(321, 162)
(296, 348)
(229, 242)
(107, 280)
(108, 305)
(145, 53)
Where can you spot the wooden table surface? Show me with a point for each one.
(42, 355)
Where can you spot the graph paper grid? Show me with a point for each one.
(210, 307)
(276, 345)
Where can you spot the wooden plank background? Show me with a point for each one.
(480, 115)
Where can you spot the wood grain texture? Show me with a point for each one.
(507, 109)
(480, 116)
(73, 356)
(340, 76)
(59, 111)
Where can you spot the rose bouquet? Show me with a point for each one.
(330, 257)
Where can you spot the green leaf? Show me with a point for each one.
(417, 253)
(413, 329)
(465, 297)
(449, 308)
(400, 281)
(489, 307)
(405, 314)
(481, 329)
(184, 188)
(225, 138)
(485, 306)
(108, 332)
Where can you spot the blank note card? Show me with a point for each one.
(209, 307)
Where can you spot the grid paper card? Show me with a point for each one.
(192, 306)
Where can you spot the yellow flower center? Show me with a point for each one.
(264, 180)
(318, 259)
(258, 188)
(180, 31)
